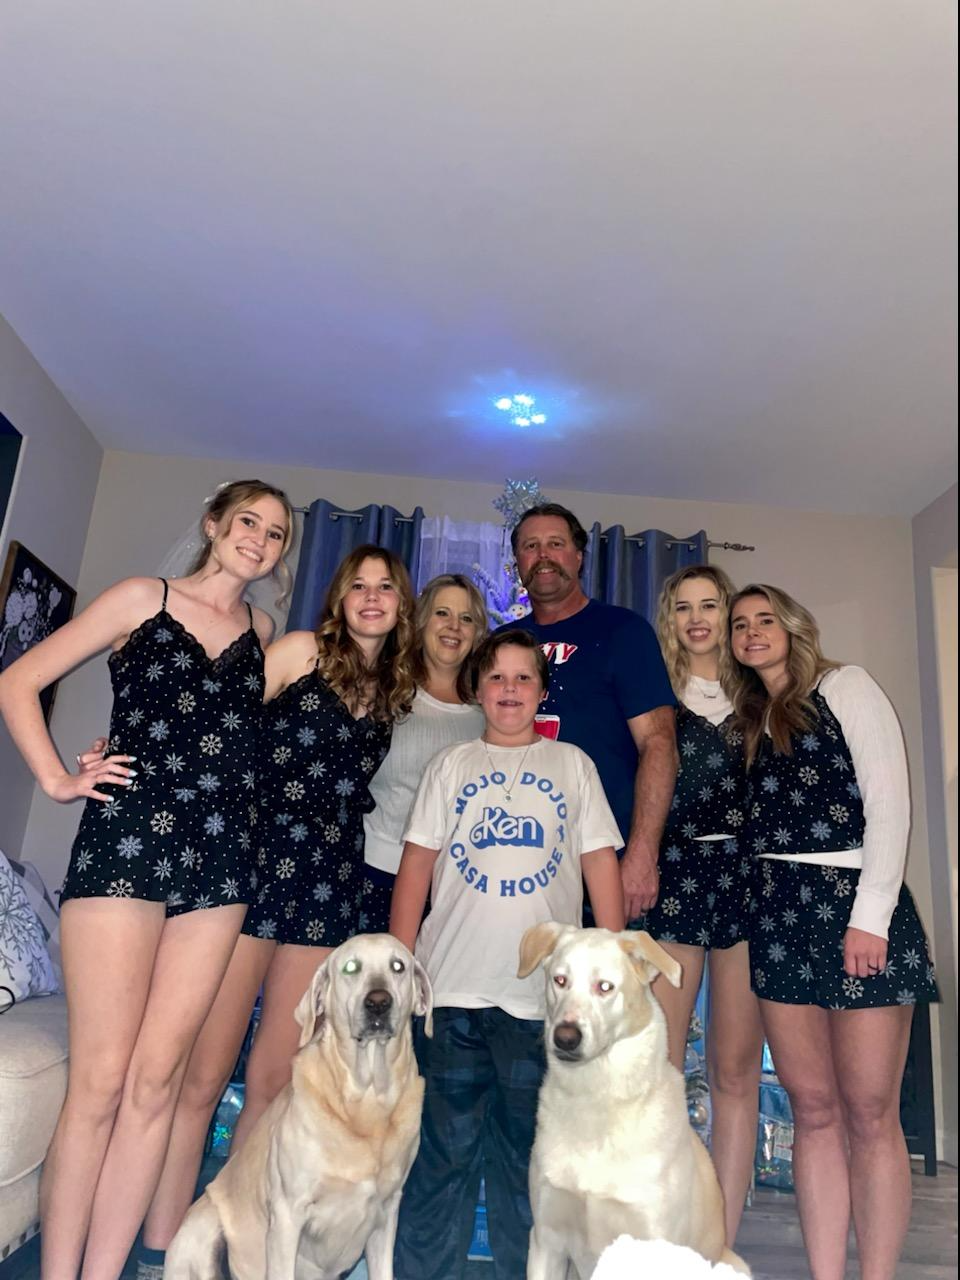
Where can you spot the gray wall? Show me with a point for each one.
(49, 512)
(935, 567)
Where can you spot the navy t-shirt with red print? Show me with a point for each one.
(605, 668)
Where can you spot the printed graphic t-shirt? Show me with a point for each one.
(503, 864)
(605, 668)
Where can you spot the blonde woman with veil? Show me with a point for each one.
(161, 870)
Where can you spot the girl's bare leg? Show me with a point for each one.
(208, 1072)
(801, 1043)
(870, 1050)
(734, 1049)
(268, 1067)
(190, 961)
(677, 1002)
(108, 948)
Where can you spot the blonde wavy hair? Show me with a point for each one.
(221, 508)
(425, 606)
(340, 660)
(791, 710)
(675, 656)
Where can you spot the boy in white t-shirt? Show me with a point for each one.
(503, 831)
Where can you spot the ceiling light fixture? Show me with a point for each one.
(519, 407)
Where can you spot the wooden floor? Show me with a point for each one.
(769, 1238)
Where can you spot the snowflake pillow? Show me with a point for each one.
(25, 966)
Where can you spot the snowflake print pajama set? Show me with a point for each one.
(182, 832)
(828, 826)
(317, 762)
(704, 869)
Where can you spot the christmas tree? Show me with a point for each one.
(508, 601)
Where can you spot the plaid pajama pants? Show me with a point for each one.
(483, 1070)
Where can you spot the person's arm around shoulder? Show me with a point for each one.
(655, 736)
(410, 892)
(106, 623)
(286, 660)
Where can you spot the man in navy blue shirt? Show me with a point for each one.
(609, 690)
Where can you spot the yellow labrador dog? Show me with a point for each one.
(614, 1152)
(318, 1181)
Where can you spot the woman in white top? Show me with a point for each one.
(704, 873)
(450, 622)
(838, 956)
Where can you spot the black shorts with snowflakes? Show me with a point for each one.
(376, 895)
(703, 895)
(317, 765)
(798, 915)
(183, 833)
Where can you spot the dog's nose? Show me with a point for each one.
(567, 1036)
(378, 1001)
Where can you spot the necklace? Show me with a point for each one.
(507, 791)
(700, 682)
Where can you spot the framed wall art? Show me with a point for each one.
(34, 601)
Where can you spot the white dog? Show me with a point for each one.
(614, 1152)
(318, 1181)
(626, 1259)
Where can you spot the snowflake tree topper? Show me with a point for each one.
(517, 498)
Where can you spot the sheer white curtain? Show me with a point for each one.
(481, 552)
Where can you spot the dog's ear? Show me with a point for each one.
(640, 946)
(537, 943)
(311, 1011)
(423, 996)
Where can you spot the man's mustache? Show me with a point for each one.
(544, 564)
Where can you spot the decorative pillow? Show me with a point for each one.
(48, 914)
(25, 966)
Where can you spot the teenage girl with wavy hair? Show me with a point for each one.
(704, 871)
(791, 709)
(160, 872)
(838, 955)
(332, 696)
(380, 683)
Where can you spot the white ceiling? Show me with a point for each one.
(717, 240)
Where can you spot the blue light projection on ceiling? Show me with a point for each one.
(528, 410)
(520, 409)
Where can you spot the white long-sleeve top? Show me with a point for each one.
(873, 735)
(431, 726)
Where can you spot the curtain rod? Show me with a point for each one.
(723, 546)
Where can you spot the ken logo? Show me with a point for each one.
(496, 826)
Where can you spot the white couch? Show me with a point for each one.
(33, 1045)
(33, 1081)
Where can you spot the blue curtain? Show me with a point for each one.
(630, 569)
(329, 533)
